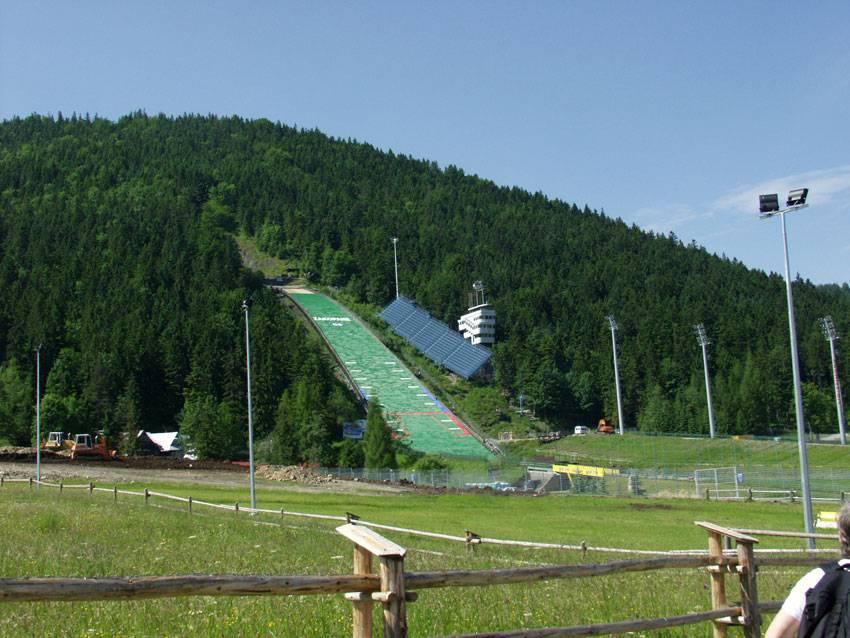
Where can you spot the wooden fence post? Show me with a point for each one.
(749, 589)
(362, 615)
(115, 493)
(392, 595)
(718, 580)
(750, 618)
(147, 496)
(91, 488)
(190, 504)
(472, 539)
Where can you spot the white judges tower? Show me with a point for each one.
(478, 326)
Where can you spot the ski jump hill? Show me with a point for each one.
(413, 412)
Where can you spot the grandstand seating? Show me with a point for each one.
(432, 331)
(412, 324)
(466, 361)
(434, 339)
(398, 311)
(443, 347)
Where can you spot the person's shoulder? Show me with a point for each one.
(813, 577)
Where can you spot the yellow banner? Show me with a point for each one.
(585, 470)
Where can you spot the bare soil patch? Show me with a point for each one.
(650, 506)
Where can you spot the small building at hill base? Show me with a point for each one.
(159, 443)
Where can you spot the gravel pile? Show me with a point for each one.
(17, 453)
(292, 473)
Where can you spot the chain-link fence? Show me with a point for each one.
(830, 485)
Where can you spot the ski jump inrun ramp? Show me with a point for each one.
(411, 409)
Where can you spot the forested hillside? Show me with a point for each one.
(117, 254)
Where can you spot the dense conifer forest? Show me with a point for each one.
(118, 256)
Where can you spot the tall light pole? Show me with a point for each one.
(613, 325)
(395, 263)
(38, 413)
(768, 207)
(246, 305)
(703, 342)
(831, 335)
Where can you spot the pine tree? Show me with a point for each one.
(285, 448)
(16, 411)
(128, 418)
(378, 440)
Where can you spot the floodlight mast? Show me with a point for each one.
(246, 305)
(38, 414)
(703, 342)
(768, 207)
(395, 263)
(613, 324)
(831, 335)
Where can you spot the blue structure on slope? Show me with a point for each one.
(435, 339)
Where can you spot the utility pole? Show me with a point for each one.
(38, 414)
(703, 342)
(246, 305)
(831, 335)
(395, 263)
(613, 324)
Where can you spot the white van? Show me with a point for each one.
(581, 430)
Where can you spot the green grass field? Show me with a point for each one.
(45, 534)
(675, 452)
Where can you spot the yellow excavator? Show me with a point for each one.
(84, 445)
(603, 427)
(57, 441)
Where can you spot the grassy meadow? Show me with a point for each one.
(74, 534)
(680, 452)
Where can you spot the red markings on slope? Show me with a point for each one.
(463, 429)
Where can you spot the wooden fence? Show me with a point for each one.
(750, 494)
(393, 588)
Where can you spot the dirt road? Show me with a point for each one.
(163, 470)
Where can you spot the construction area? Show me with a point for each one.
(415, 414)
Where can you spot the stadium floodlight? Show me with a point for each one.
(768, 207)
(703, 340)
(246, 306)
(831, 335)
(768, 203)
(613, 324)
(395, 263)
(797, 197)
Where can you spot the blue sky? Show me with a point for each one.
(672, 115)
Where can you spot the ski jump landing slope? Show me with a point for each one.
(412, 410)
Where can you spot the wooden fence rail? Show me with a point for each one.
(393, 588)
(78, 589)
